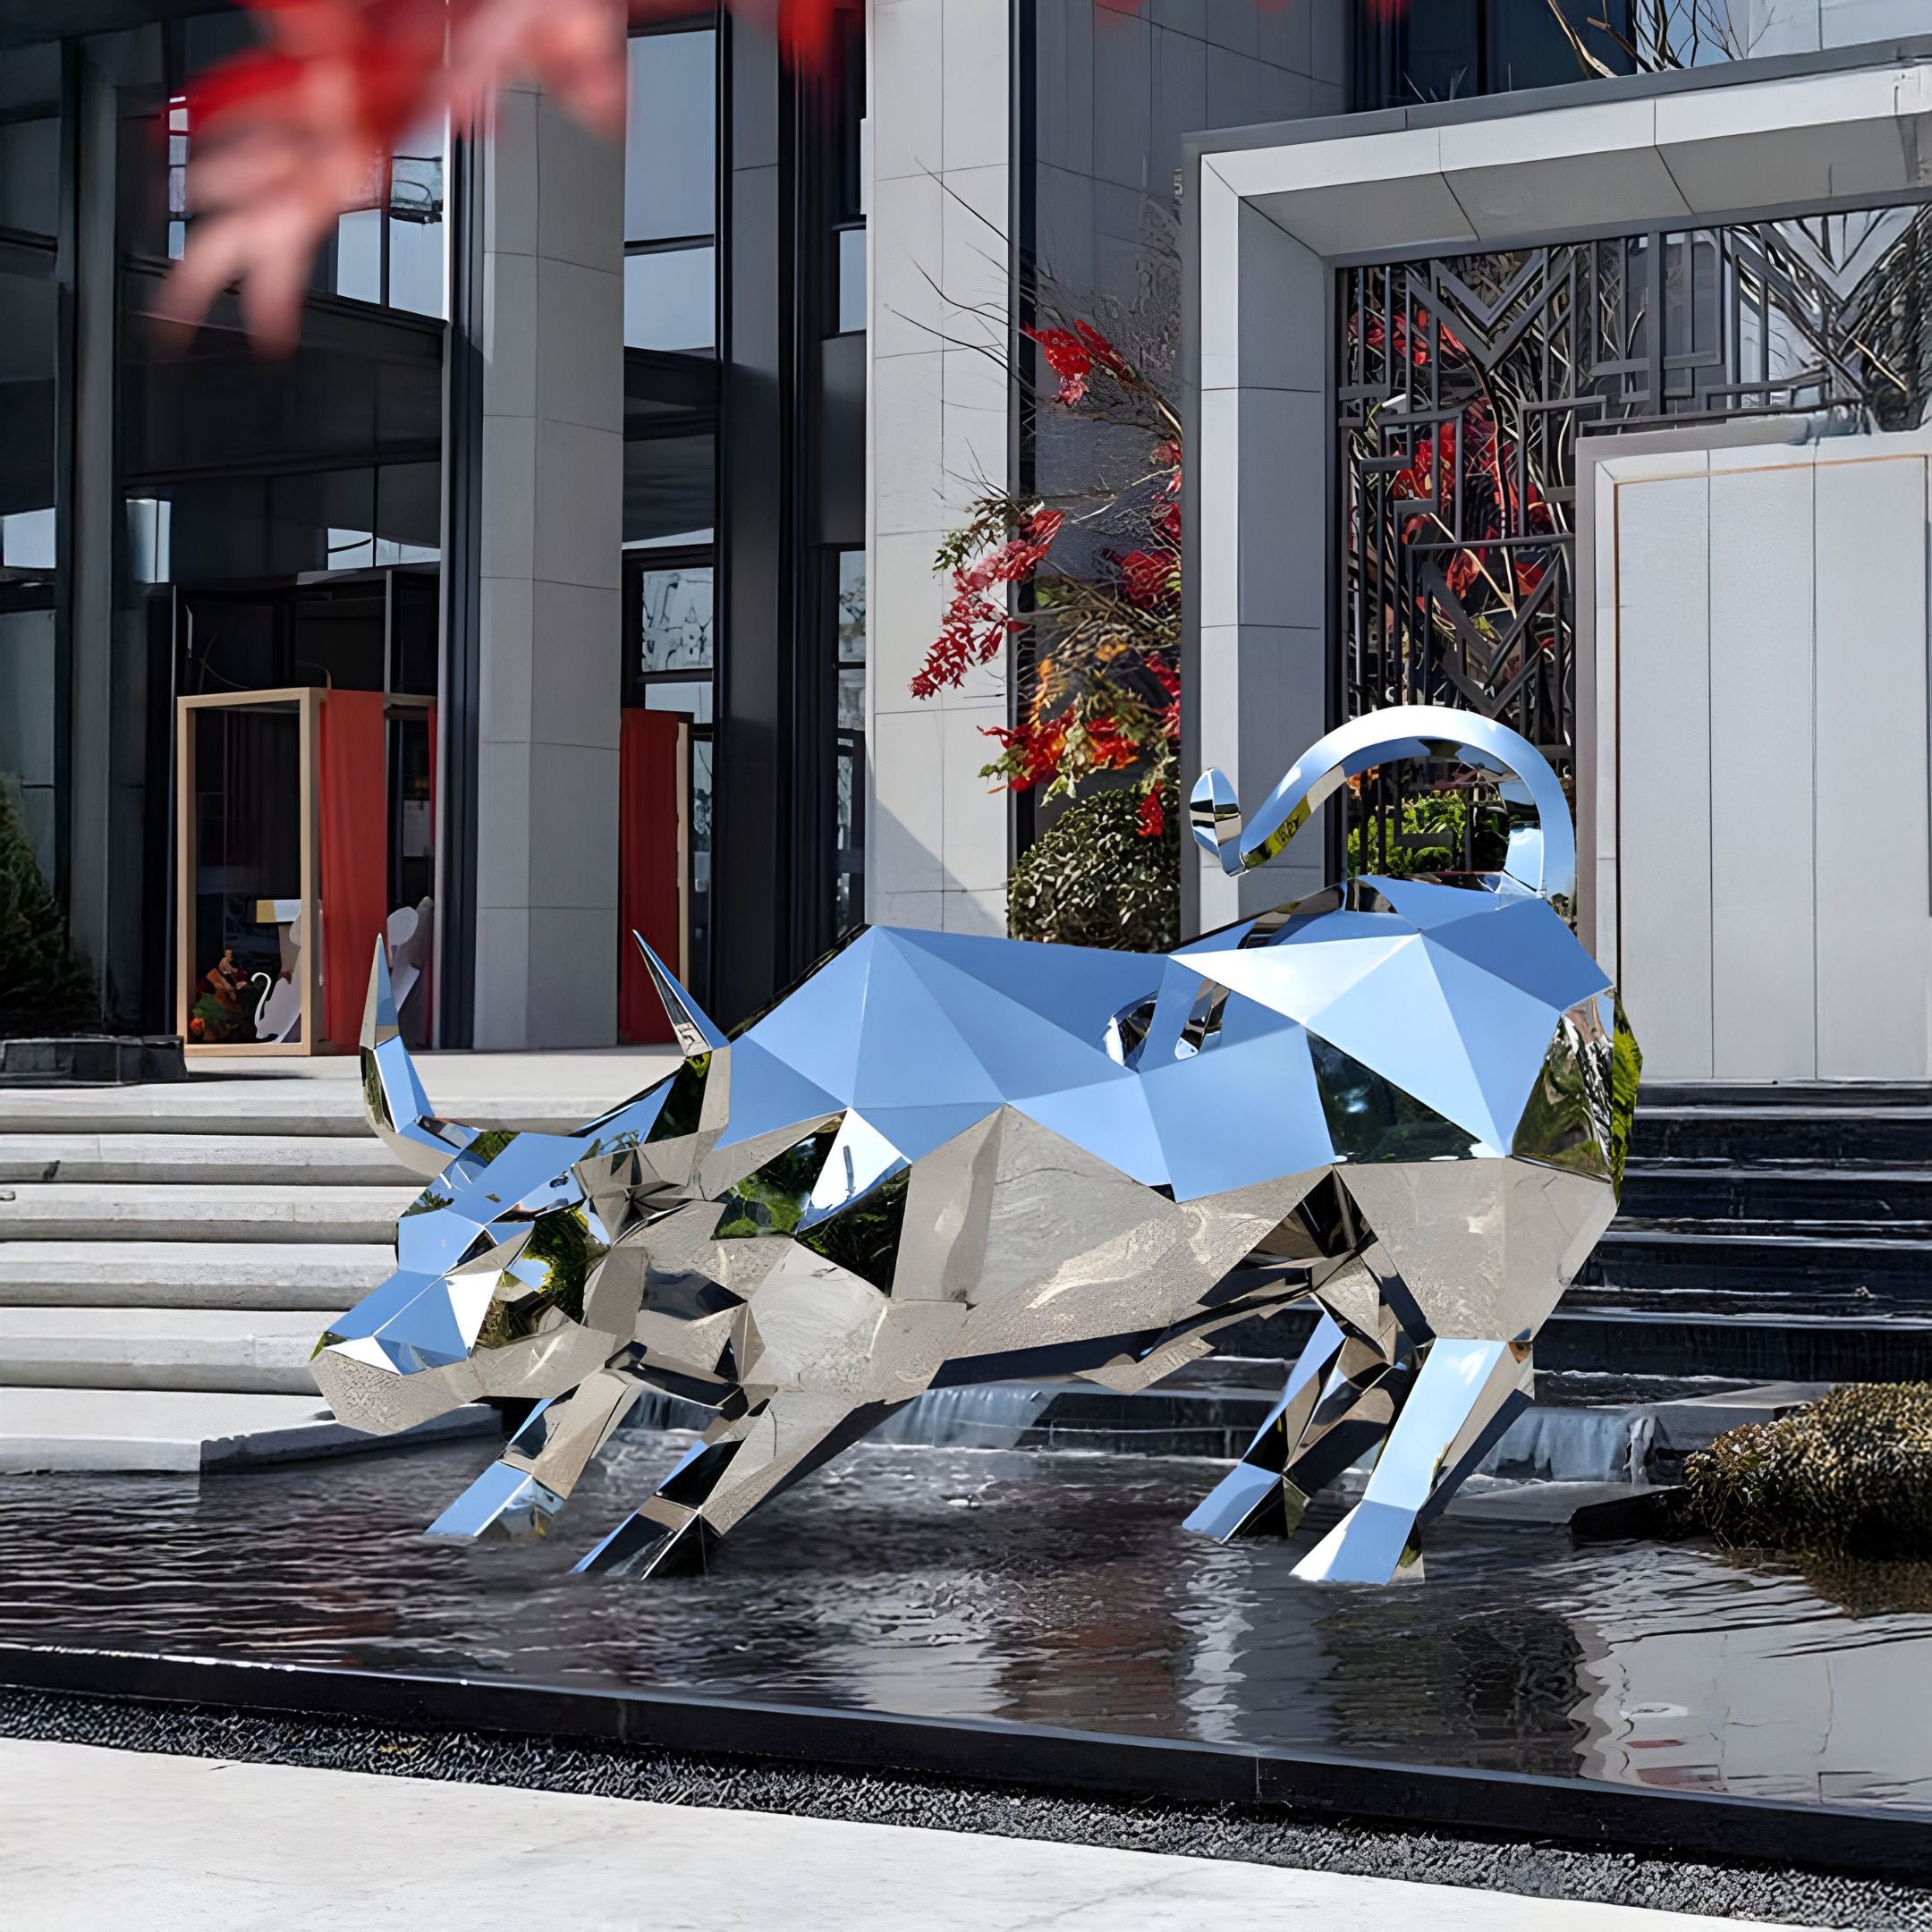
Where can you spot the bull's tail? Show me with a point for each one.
(1542, 856)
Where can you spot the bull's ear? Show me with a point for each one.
(697, 1034)
(391, 1096)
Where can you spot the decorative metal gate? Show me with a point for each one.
(1463, 384)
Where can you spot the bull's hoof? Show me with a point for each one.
(641, 1545)
(1372, 1543)
(503, 1501)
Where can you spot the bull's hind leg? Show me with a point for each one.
(526, 1486)
(1341, 1395)
(742, 1462)
(1466, 1394)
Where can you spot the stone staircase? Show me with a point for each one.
(169, 1254)
(1767, 1232)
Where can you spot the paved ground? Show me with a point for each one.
(92, 1838)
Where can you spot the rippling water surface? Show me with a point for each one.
(1054, 1589)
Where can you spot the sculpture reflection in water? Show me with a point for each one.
(944, 1159)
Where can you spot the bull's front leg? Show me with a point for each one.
(1341, 1397)
(1466, 1395)
(742, 1461)
(526, 1486)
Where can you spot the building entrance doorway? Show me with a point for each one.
(305, 747)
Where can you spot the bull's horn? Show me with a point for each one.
(391, 1096)
(696, 1033)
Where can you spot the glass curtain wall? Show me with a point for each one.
(30, 667)
(1453, 49)
(673, 652)
(282, 516)
(671, 190)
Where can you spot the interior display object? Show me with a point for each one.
(278, 1011)
(945, 1159)
(222, 1012)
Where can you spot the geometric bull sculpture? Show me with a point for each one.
(943, 1159)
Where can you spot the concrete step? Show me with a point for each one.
(77, 1211)
(1787, 1136)
(324, 1277)
(235, 1352)
(312, 1160)
(1812, 1197)
(147, 1429)
(547, 1092)
(231, 1108)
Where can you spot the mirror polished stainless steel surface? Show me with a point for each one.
(944, 1159)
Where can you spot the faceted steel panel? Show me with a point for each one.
(945, 1159)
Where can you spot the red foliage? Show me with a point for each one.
(1153, 819)
(1033, 749)
(1068, 358)
(976, 625)
(289, 136)
(1148, 576)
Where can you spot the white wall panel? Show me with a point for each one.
(1664, 768)
(1763, 1003)
(1873, 946)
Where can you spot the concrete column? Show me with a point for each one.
(552, 537)
(935, 847)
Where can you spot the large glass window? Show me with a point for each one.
(671, 192)
(850, 648)
(391, 252)
(388, 252)
(671, 646)
(29, 140)
(29, 202)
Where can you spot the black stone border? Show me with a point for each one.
(1252, 1833)
(1802, 1857)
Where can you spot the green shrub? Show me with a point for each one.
(45, 985)
(1090, 878)
(1849, 1475)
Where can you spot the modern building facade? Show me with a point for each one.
(565, 415)
(599, 502)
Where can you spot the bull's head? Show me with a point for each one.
(496, 1287)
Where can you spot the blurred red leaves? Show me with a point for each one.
(286, 138)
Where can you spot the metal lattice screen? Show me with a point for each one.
(1463, 384)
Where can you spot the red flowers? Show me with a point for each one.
(1150, 577)
(1153, 820)
(976, 625)
(1072, 353)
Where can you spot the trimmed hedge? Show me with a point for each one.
(1090, 879)
(1848, 1475)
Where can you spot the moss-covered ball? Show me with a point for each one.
(1849, 1475)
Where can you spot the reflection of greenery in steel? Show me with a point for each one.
(427, 1202)
(1849, 1475)
(1626, 1069)
(684, 1104)
(552, 1268)
(1371, 1118)
(563, 1247)
(488, 1146)
(373, 1101)
(772, 1200)
(1559, 1120)
(864, 1237)
(1091, 880)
